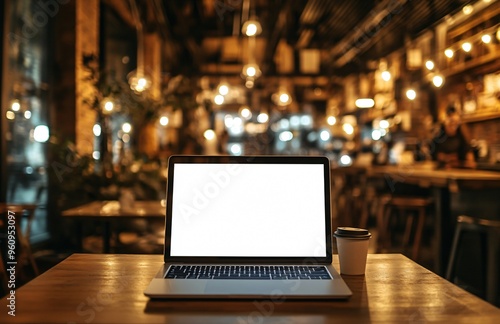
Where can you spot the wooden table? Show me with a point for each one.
(108, 211)
(98, 288)
(443, 182)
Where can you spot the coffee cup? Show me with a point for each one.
(352, 246)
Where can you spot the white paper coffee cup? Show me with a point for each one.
(352, 246)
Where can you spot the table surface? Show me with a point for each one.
(108, 288)
(112, 209)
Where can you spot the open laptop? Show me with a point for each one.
(248, 227)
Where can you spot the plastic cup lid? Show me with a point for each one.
(352, 232)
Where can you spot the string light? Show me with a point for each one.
(252, 27)
(486, 38)
(449, 53)
(467, 47)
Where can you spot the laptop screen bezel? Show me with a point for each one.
(273, 159)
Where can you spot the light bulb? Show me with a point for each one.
(486, 38)
(449, 53)
(429, 65)
(164, 121)
(223, 89)
(386, 75)
(467, 47)
(209, 134)
(219, 99)
(331, 120)
(411, 94)
(126, 128)
(438, 81)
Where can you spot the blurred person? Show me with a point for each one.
(452, 148)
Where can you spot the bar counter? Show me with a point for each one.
(455, 192)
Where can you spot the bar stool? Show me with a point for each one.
(490, 228)
(405, 205)
(23, 253)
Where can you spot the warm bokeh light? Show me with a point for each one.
(245, 113)
(126, 128)
(108, 106)
(251, 27)
(448, 52)
(468, 9)
(223, 89)
(384, 123)
(467, 47)
(10, 115)
(429, 65)
(438, 81)
(331, 120)
(486, 38)
(411, 94)
(164, 121)
(365, 103)
(209, 134)
(251, 71)
(15, 106)
(284, 97)
(262, 117)
(219, 99)
(348, 128)
(386, 75)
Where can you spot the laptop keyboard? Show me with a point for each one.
(247, 272)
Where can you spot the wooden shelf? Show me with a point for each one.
(477, 117)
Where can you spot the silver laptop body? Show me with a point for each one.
(248, 212)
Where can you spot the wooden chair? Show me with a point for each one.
(405, 205)
(491, 229)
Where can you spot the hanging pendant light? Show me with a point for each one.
(138, 79)
(252, 27)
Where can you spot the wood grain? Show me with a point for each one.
(106, 288)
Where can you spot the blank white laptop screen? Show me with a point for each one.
(248, 210)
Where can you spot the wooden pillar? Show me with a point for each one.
(87, 42)
(152, 62)
(148, 138)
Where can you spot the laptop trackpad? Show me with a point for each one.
(264, 288)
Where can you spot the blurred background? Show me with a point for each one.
(97, 94)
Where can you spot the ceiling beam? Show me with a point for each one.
(363, 35)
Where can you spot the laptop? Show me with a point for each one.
(248, 227)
